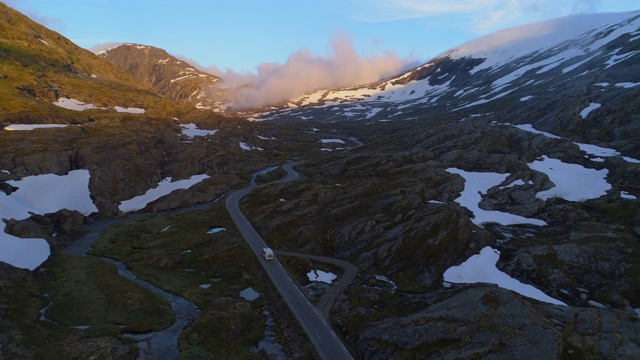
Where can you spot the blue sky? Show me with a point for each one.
(241, 34)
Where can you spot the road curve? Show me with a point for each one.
(327, 343)
(330, 295)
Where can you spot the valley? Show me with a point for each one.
(487, 198)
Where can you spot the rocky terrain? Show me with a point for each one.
(382, 188)
(169, 76)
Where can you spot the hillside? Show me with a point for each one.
(543, 74)
(39, 66)
(169, 76)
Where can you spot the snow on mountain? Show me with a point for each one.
(516, 62)
(504, 46)
(168, 75)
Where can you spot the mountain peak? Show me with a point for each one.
(170, 76)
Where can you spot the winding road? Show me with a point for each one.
(327, 343)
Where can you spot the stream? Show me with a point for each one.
(162, 344)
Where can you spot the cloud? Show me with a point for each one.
(483, 15)
(304, 72)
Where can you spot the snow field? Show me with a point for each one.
(40, 194)
(481, 268)
(191, 130)
(321, 276)
(476, 184)
(164, 187)
(26, 127)
(77, 105)
(572, 182)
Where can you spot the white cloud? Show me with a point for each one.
(482, 15)
(304, 72)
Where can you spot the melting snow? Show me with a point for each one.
(626, 195)
(586, 111)
(529, 128)
(22, 127)
(131, 110)
(322, 276)
(246, 147)
(371, 113)
(191, 130)
(588, 148)
(216, 230)
(164, 187)
(73, 104)
(388, 281)
(327, 141)
(627, 85)
(476, 184)
(615, 59)
(481, 268)
(40, 194)
(572, 182)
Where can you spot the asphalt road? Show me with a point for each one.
(331, 294)
(327, 343)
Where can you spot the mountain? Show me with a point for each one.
(490, 150)
(535, 73)
(38, 67)
(169, 76)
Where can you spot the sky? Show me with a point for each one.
(242, 34)
(287, 48)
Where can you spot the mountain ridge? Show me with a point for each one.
(39, 66)
(171, 77)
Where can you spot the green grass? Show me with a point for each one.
(23, 296)
(89, 291)
(182, 258)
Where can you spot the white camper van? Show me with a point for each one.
(267, 253)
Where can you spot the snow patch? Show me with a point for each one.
(586, 111)
(246, 147)
(191, 130)
(481, 268)
(322, 276)
(131, 110)
(23, 127)
(572, 182)
(626, 195)
(327, 141)
(40, 194)
(164, 187)
(529, 128)
(627, 85)
(476, 184)
(216, 230)
(73, 104)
